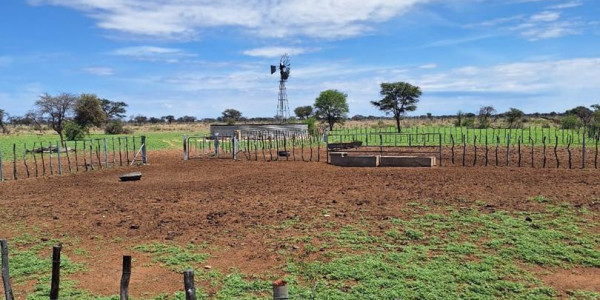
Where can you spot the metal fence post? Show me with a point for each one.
(144, 152)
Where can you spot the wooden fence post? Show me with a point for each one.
(583, 150)
(569, 140)
(555, 151)
(8, 293)
(475, 148)
(34, 160)
(105, 154)
(1, 170)
(68, 158)
(280, 290)
(188, 284)
(544, 151)
(55, 283)
(58, 158)
(15, 162)
(25, 160)
(76, 159)
(124, 294)
(452, 148)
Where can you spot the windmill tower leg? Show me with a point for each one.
(283, 110)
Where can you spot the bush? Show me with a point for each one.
(73, 132)
(469, 122)
(116, 127)
(570, 122)
(312, 124)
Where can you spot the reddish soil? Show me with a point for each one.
(228, 204)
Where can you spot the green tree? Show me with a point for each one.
(459, 118)
(231, 116)
(169, 119)
(584, 114)
(89, 112)
(303, 112)
(56, 110)
(398, 98)
(2, 125)
(113, 109)
(514, 116)
(331, 107)
(484, 116)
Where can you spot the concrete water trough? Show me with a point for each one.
(342, 159)
(133, 176)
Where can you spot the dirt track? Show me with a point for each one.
(225, 202)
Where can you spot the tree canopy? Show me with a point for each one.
(113, 109)
(89, 112)
(331, 107)
(56, 109)
(398, 98)
(485, 113)
(514, 117)
(231, 115)
(303, 112)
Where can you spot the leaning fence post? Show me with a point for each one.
(144, 153)
(54, 285)
(280, 290)
(8, 294)
(125, 277)
(188, 284)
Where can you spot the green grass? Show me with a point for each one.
(435, 252)
(535, 134)
(174, 257)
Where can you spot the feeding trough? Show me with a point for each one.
(134, 176)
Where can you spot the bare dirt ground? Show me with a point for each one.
(225, 203)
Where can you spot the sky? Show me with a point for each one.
(200, 57)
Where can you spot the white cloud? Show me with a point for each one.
(565, 5)
(270, 52)
(153, 53)
(186, 18)
(99, 71)
(545, 16)
(428, 66)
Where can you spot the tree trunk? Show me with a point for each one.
(398, 123)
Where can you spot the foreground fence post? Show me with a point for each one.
(8, 294)
(1, 171)
(188, 284)
(55, 283)
(15, 176)
(144, 153)
(124, 295)
(280, 290)
(58, 158)
(185, 147)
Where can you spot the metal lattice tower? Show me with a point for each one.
(283, 109)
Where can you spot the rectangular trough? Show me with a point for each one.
(342, 159)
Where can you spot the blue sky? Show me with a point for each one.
(200, 57)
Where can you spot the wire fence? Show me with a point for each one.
(56, 158)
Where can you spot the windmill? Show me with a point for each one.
(283, 110)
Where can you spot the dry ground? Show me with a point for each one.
(227, 204)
